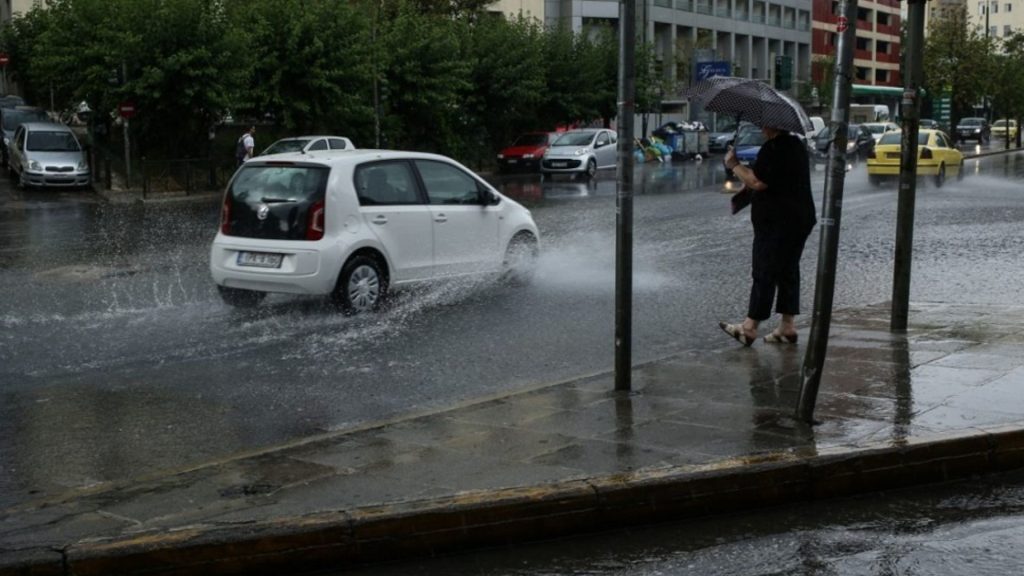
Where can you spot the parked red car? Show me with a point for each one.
(525, 153)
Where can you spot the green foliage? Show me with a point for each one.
(957, 59)
(438, 75)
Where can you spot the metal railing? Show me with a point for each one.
(188, 176)
(685, 5)
(704, 7)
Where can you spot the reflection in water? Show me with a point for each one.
(904, 411)
(774, 388)
(624, 431)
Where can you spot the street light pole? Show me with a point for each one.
(908, 168)
(624, 198)
(824, 287)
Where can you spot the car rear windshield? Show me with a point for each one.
(971, 122)
(897, 138)
(46, 141)
(531, 140)
(274, 200)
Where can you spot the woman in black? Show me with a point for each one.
(783, 214)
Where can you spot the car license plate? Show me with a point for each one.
(259, 259)
(512, 160)
(559, 164)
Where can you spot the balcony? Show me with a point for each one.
(742, 15)
(663, 3)
(774, 21)
(757, 18)
(684, 5)
(723, 11)
(705, 7)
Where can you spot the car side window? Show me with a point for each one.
(320, 144)
(386, 184)
(602, 139)
(337, 144)
(446, 184)
(941, 141)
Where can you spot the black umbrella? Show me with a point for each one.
(750, 100)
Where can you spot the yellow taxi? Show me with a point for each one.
(1001, 127)
(936, 157)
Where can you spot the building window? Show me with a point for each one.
(862, 73)
(881, 47)
(1007, 30)
(995, 7)
(881, 76)
(863, 44)
(1009, 7)
(993, 31)
(883, 18)
(981, 8)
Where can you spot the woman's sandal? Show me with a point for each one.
(776, 338)
(736, 331)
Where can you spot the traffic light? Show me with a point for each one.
(783, 72)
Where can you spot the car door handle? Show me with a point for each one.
(440, 218)
(380, 219)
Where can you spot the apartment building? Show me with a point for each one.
(744, 36)
(8, 8)
(876, 56)
(999, 18)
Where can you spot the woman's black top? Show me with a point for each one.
(786, 206)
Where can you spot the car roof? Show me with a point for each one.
(310, 137)
(49, 126)
(345, 157)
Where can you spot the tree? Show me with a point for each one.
(1008, 90)
(957, 59)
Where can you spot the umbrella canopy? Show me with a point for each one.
(750, 100)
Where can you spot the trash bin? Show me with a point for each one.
(696, 142)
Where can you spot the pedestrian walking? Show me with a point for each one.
(244, 146)
(783, 215)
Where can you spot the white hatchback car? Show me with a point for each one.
(581, 152)
(355, 224)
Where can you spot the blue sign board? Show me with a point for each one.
(705, 70)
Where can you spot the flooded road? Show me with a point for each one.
(118, 359)
(957, 529)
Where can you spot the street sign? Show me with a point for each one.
(4, 59)
(711, 68)
(126, 109)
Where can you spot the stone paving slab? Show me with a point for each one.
(700, 433)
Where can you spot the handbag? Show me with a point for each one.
(741, 199)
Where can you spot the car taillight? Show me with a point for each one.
(315, 226)
(225, 215)
(926, 153)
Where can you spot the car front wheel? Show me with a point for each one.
(520, 261)
(362, 285)
(591, 168)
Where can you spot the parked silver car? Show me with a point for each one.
(581, 152)
(48, 154)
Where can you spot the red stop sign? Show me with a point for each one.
(4, 59)
(126, 109)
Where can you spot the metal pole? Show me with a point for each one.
(831, 210)
(908, 168)
(624, 198)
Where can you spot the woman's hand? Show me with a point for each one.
(730, 158)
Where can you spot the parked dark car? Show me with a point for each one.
(859, 144)
(973, 128)
(525, 152)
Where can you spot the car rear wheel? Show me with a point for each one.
(362, 285)
(239, 298)
(591, 168)
(520, 262)
(940, 177)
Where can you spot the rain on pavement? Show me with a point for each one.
(117, 358)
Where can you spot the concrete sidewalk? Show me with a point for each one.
(699, 434)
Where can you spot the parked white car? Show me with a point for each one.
(877, 129)
(355, 225)
(309, 144)
(47, 154)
